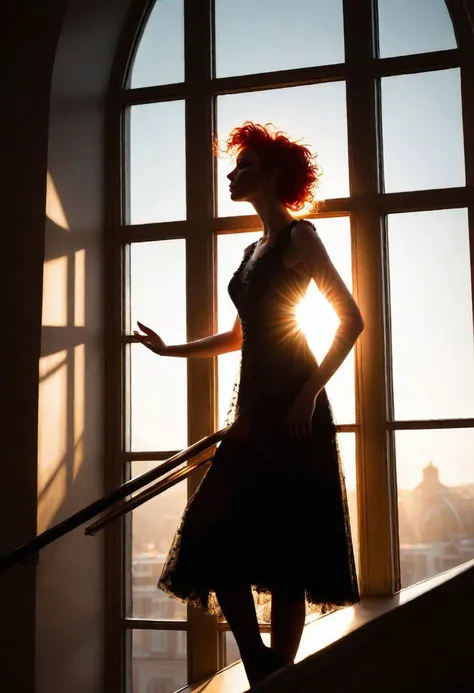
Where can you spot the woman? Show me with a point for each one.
(271, 512)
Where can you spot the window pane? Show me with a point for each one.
(435, 471)
(317, 318)
(264, 44)
(159, 58)
(158, 384)
(422, 131)
(414, 26)
(315, 114)
(158, 401)
(431, 315)
(158, 287)
(157, 178)
(154, 524)
(158, 662)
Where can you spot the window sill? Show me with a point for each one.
(321, 632)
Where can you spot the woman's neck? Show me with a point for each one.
(273, 214)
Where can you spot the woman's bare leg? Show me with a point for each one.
(288, 617)
(238, 607)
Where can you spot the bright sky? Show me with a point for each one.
(429, 255)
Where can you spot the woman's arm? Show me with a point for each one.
(309, 250)
(201, 348)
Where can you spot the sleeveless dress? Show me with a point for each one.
(270, 511)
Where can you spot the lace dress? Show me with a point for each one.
(270, 511)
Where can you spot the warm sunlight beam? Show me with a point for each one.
(318, 321)
(317, 636)
(80, 288)
(52, 436)
(54, 208)
(79, 405)
(55, 293)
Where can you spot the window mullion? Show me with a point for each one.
(463, 30)
(467, 92)
(115, 646)
(375, 474)
(202, 634)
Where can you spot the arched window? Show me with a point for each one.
(383, 91)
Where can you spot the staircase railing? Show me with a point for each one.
(193, 456)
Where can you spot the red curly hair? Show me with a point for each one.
(298, 172)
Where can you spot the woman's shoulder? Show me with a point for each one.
(301, 230)
(302, 226)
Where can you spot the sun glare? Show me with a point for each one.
(315, 637)
(318, 321)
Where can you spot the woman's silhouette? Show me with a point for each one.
(271, 512)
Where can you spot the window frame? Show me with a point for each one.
(367, 207)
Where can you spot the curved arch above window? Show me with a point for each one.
(414, 26)
(159, 54)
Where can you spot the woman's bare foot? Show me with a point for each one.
(263, 663)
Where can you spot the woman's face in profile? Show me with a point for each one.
(247, 180)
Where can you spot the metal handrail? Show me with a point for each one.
(23, 552)
(145, 495)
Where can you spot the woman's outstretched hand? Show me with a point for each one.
(150, 339)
